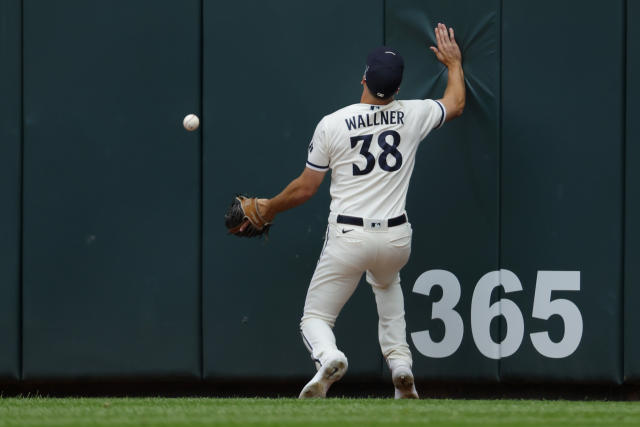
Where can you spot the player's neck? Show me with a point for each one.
(367, 98)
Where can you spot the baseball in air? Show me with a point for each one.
(191, 122)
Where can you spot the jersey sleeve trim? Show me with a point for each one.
(444, 114)
(316, 167)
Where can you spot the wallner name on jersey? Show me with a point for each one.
(379, 118)
(371, 151)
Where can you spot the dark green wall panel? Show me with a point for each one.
(562, 177)
(112, 189)
(269, 77)
(632, 198)
(453, 198)
(10, 147)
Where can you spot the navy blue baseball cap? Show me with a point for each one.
(384, 71)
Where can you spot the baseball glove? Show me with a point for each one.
(245, 209)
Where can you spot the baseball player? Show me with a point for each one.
(370, 148)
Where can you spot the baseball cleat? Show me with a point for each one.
(331, 372)
(404, 384)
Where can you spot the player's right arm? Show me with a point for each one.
(303, 187)
(449, 54)
(296, 193)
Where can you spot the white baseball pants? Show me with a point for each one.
(345, 257)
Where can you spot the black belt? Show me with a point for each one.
(354, 220)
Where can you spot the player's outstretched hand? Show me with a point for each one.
(245, 217)
(447, 50)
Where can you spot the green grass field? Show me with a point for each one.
(329, 412)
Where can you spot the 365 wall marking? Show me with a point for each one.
(482, 312)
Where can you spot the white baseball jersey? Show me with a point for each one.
(371, 151)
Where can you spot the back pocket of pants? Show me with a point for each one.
(354, 239)
(401, 242)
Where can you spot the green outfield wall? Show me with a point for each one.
(632, 197)
(111, 187)
(10, 195)
(114, 260)
(562, 186)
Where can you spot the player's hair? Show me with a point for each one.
(377, 97)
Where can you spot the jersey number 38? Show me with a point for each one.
(383, 159)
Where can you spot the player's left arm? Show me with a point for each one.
(448, 52)
(296, 193)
